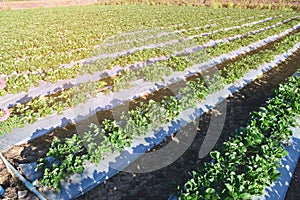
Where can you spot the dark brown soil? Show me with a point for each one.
(294, 189)
(26, 154)
(17, 5)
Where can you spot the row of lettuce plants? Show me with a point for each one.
(180, 63)
(18, 83)
(28, 44)
(114, 136)
(42, 106)
(244, 165)
(142, 55)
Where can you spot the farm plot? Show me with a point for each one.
(148, 185)
(56, 71)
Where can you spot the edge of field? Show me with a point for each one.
(265, 4)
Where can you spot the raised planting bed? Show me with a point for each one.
(48, 123)
(128, 99)
(42, 54)
(245, 165)
(94, 174)
(76, 72)
(160, 184)
(131, 186)
(279, 188)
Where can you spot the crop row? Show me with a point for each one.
(18, 83)
(26, 80)
(248, 162)
(125, 44)
(105, 102)
(126, 41)
(122, 43)
(35, 36)
(154, 72)
(115, 136)
(184, 43)
(246, 38)
(45, 105)
(44, 68)
(172, 62)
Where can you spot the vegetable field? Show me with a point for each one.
(88, 92)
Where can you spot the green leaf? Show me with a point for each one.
(245, 196)
(229, 187)
(215, 155)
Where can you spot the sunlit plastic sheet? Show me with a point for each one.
(95, 174)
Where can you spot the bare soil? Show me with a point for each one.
(17, 5)
(294, 188)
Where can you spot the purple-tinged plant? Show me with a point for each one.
(4, 114)
(2, 84)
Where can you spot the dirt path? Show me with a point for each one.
(294, 189)
(17, 5)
